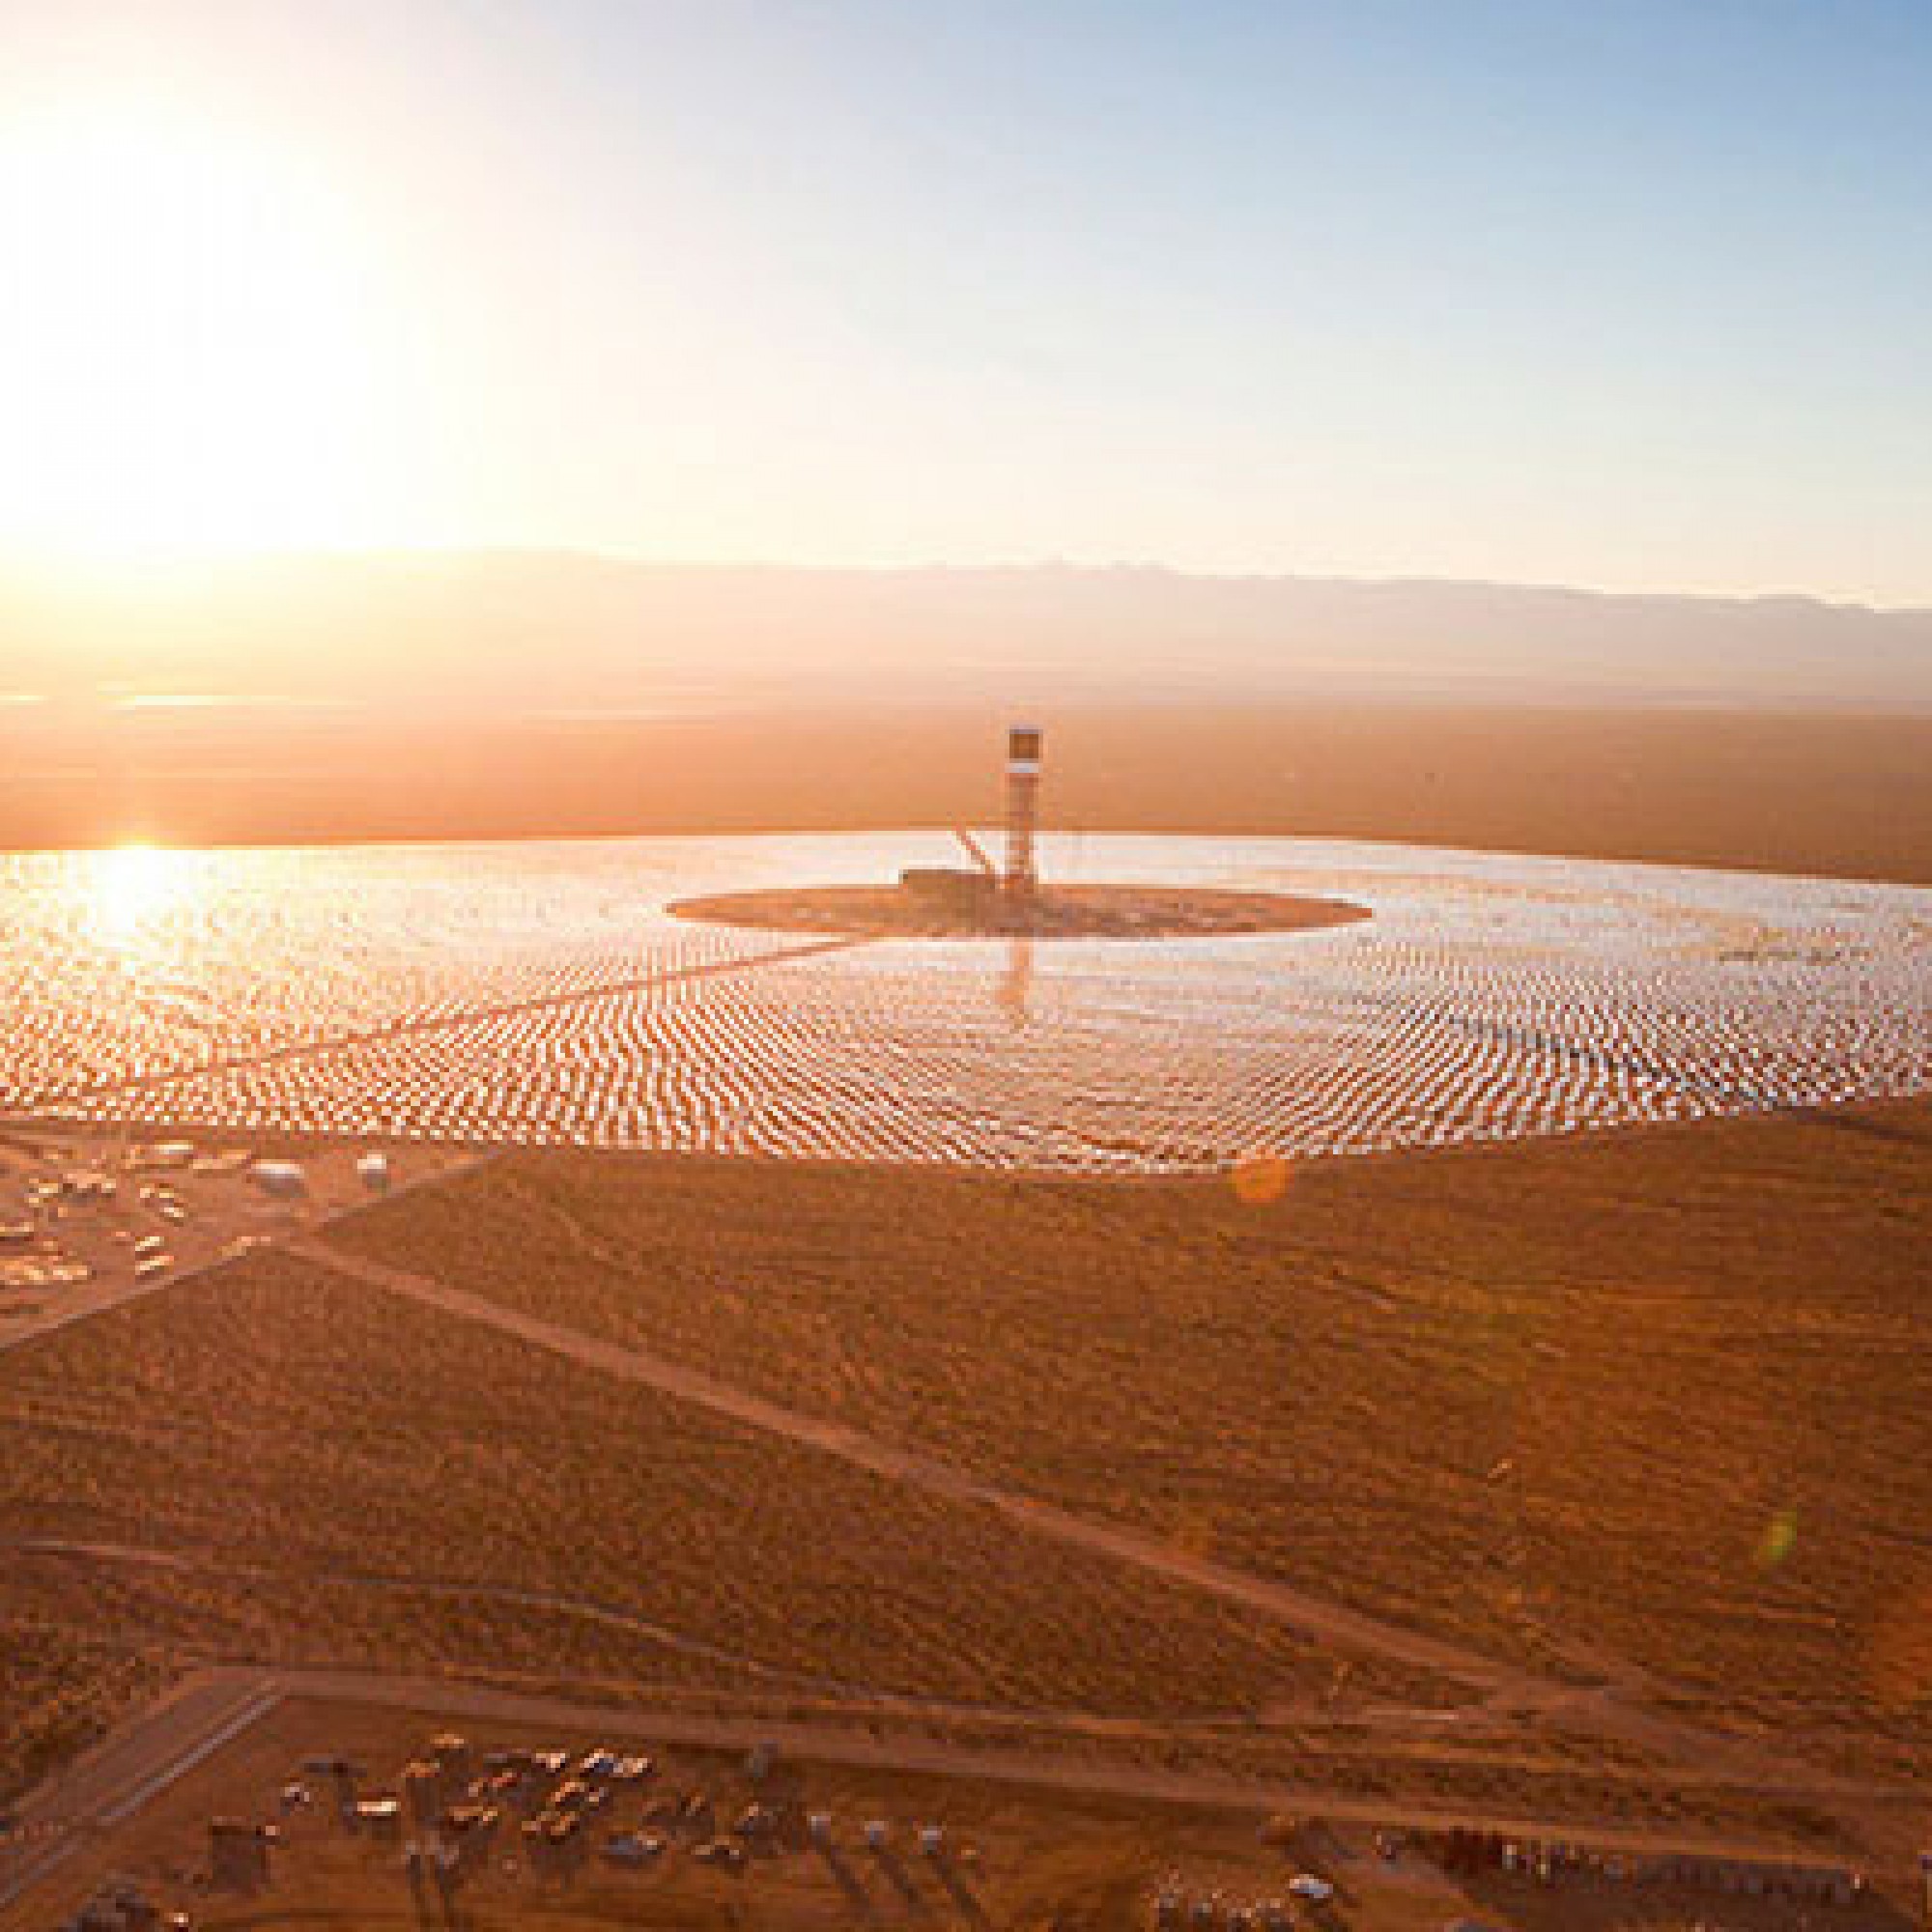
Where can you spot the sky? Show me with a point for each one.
(1632, 296)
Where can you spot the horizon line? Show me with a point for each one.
(121, 572)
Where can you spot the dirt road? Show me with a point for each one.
(1612, 1706)
(1389, 1733)
(1328, 1623)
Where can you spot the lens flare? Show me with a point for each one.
(1779, 1541)
(1259, 1178)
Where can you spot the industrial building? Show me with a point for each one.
(986, 894)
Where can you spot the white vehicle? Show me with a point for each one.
(283, 1179)
(1316, 1890)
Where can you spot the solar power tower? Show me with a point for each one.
(1023, 745)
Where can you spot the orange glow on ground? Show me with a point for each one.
(1259, 1179)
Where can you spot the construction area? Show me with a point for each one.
(91, 1218)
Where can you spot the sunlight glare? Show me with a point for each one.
(132, 888)
(184, 360)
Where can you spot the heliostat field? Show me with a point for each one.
(544, 994)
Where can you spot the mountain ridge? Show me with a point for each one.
(518, 631)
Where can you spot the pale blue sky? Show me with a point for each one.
(1637, 295)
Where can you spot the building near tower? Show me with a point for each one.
(987, 894)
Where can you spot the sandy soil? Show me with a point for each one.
(1446, 1388)
(1796, 792)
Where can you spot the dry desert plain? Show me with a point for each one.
(1577, 1481)
(1580, 1481)
(1834, 792)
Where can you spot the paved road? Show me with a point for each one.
(848, 1744)
(109, 1784)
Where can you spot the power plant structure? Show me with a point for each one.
(987, 895)
(1023, 750)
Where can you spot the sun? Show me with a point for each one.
(183, 343)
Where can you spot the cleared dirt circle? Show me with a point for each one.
(1055, 912)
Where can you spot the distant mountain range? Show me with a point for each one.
(529, 634)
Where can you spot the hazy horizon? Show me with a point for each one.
(136, 571)
(557, 635)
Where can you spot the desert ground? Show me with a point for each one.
(1794, 790)
(1573, 1484)
(1053, 912)
(815, 1825)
